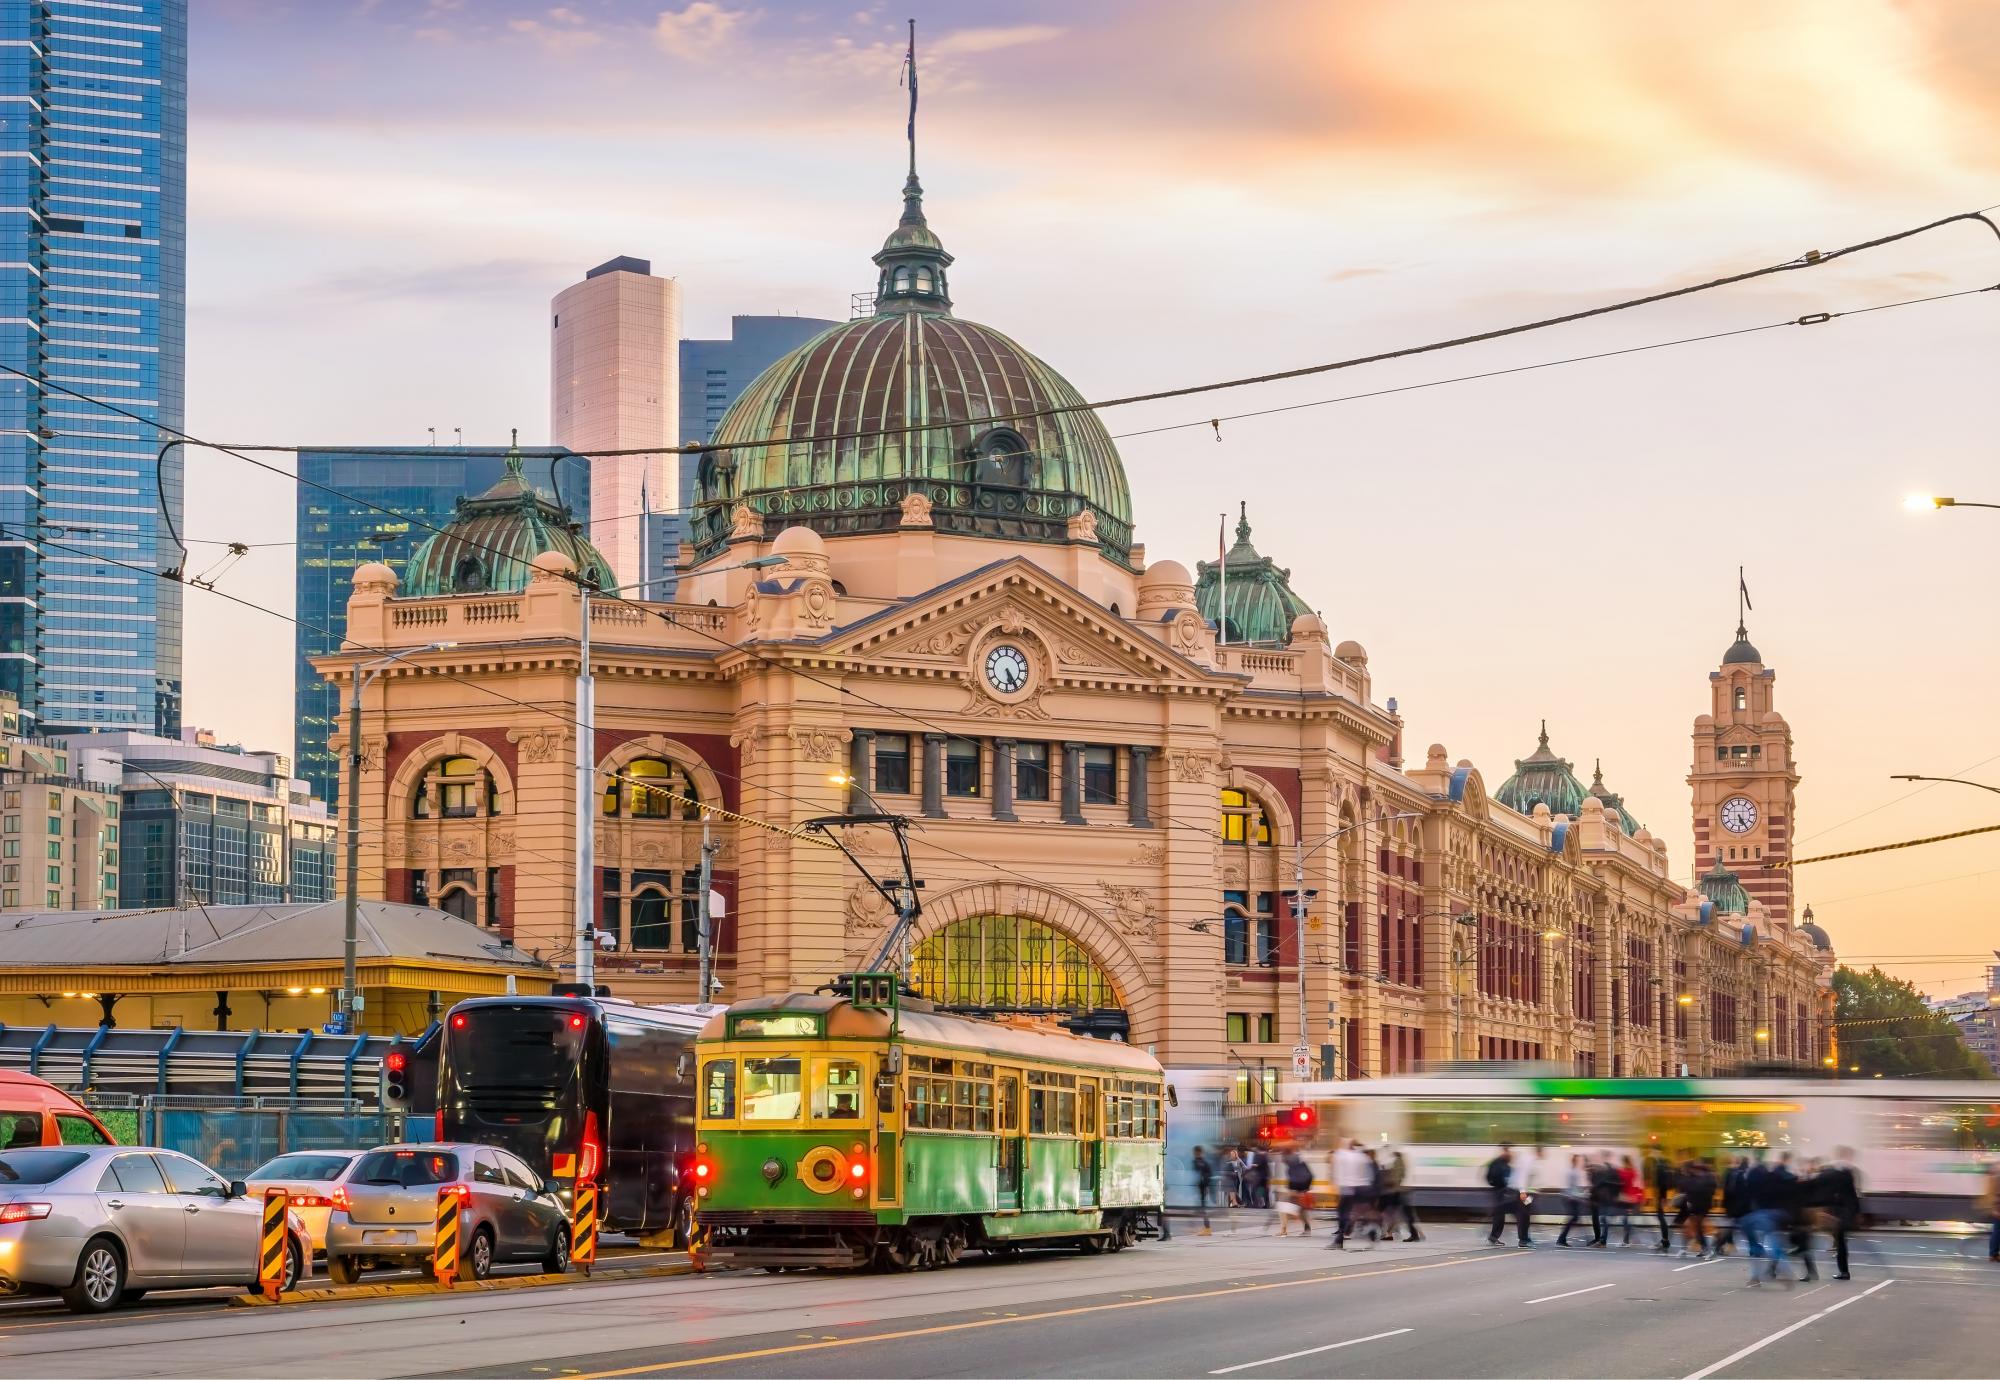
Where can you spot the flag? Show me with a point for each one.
(1743, 590)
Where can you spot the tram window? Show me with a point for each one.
(961, 1105)
(1086, 1108)
(720, 1080)
(982, 1106)
(1009, 1098)
(837, 1096)
(1476, 1123)
(771, 1089)
(1038, 1111)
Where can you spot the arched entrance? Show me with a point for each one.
(1015, 964)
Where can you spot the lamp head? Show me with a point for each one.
(762, 562)
(1923, 503)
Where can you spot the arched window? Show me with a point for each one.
(461, 903)
(923, 279)
(1742, 698)
(1243, 820)
(468, 576)
(460, 786)
(652, 920)
(1010, 963)
(902, 280)
(1000, 456)
(652, 789)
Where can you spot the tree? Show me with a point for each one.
(1886, 1028)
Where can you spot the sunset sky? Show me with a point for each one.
(384, 194)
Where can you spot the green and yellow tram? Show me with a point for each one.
(844, 1132)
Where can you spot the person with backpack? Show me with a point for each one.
(1607, 1200)
(1734, 1204)
(1697, 1189)
(1395, 1200)
(1837, 1191)
(1507, 1200)
(1204, 1184)
(1298, 1185)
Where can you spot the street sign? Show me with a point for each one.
(1301, 1061)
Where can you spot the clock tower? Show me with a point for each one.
(1744, 779)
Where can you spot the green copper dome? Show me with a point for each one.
(1613, 802)
(1720, 885)
(1261, 600)
(1542, 778)
(487, 545)
(874, 381)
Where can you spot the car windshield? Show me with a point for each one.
(406, 1168)
(38, 1166)
(320, 1169)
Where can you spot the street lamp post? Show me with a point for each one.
(1919, 503)
(350, 1001)
(1954, 780)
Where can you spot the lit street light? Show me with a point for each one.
(1923, 503)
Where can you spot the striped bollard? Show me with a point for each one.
(583, 1229)
(273, 1245)
(444, 1250)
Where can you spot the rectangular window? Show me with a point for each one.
(961, 768)
(1031, 771)
(55, 876)
(771, 1089)
(1267, 1028)
(12, 848)
(1236, 1027)
(13, 824)
(719, 1104)
(10, 898)
(1100, 776)
(55, 850)
(837, 1091)
(55, 900)
(892, 763)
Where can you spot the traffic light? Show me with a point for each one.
(396, 1078)
(1302, 1118)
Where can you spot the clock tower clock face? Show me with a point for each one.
(1007, 669)
(1739, 814)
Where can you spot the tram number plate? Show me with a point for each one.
(388, 1238)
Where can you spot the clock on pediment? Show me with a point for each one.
(1006, 668)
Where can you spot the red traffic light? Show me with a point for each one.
(1302, 1116)
(458, 1021)
(395, 1061)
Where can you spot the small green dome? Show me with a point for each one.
(1542, 778)
(1721, 886)
(927, 405)
(1261, 600)
(1613, 802)
(488, 544)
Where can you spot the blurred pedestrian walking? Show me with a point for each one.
(1395, 1197)
(1204, 1184)
(1576, 1200)
(1660, 1178)
(1507, 1199)
(1298, 1194)
(1353, 1177)
(1697, 1190)
(1837, 1193)
(1989, 1205)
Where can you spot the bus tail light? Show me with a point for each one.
(592, 1158)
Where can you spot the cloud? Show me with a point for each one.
(992, 40)
(1348, 274)
(696, 31)
(569, 38)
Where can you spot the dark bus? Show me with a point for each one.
(580, 1088)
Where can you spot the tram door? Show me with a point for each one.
(1089, 1149)
(1008, 1145)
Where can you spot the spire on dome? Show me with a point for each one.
(912, 260)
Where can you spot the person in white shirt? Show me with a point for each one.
(1354, 1180)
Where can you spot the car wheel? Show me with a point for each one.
(100, 1278)
(295, 1267)
(343, 1269)
(556, 1262)
(479, 1260)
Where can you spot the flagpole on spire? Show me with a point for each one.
(910, 79)
(1742, 604)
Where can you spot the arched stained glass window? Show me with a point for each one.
(1243, 819)
(1010, 963)
(652, 789)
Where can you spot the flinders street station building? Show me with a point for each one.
(914, 587)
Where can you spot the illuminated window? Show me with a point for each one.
(652, 789)
(1243, 819)
(460, 784)
(1010, 963)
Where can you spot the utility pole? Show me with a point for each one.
(1301, 1054)
(704, 933)
(586, 804)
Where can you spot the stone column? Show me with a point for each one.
(1138, 788)
(1003, 779)
(1072, 783)
(934, 776)
(861, 766)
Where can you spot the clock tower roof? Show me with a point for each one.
(1722, 886)
(1741, 652)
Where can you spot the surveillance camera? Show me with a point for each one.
(606, 939)
(715, 985)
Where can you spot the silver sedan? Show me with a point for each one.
(102, 1224)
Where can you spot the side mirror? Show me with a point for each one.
(238, 1189)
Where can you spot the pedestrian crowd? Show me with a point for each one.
(1369, 1201)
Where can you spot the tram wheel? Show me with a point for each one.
(1128, 1229)
(899, 1251)
(1091, 1245)
(951, 1245)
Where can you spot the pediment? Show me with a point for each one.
(947, 628)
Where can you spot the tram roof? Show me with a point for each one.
(992, 1037)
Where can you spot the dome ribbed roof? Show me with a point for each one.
(927, 404)
(1740, 651)
(1721, 886)
(1261, 600)
(487, 545)
(1542, 778)
(1612, 800)
(1819, 937)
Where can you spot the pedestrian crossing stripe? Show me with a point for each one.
(444, 1252)
(271, 1254)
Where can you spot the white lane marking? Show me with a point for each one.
(1733, 1358)
(1310, 1351)
(1698, 1264)
(1551, 1298)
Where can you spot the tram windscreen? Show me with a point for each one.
(514, 1047)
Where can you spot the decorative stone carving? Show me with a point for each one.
(539, 745)
(1131, 907)
(917, 509)
(868, 911)
(1232, 877)
(942, 642)
(500, 848)
(746, 522)
(420, 846)
(821, 745)
(1150, 855)
(1189, 766)
(981, 705)
(816, 602)
(1083, 526)
(459, 849)
(746, 747)
(1187, 631)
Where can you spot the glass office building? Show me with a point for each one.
(93, 273)
(714, 372)
(422, 485)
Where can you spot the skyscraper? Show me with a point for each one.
(337, 534)
(93, 274)
(713, 372)
(614, 385)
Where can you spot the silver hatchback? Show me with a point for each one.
(102, 1224)
(385, 1211)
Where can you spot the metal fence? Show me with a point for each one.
(234, 1135)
